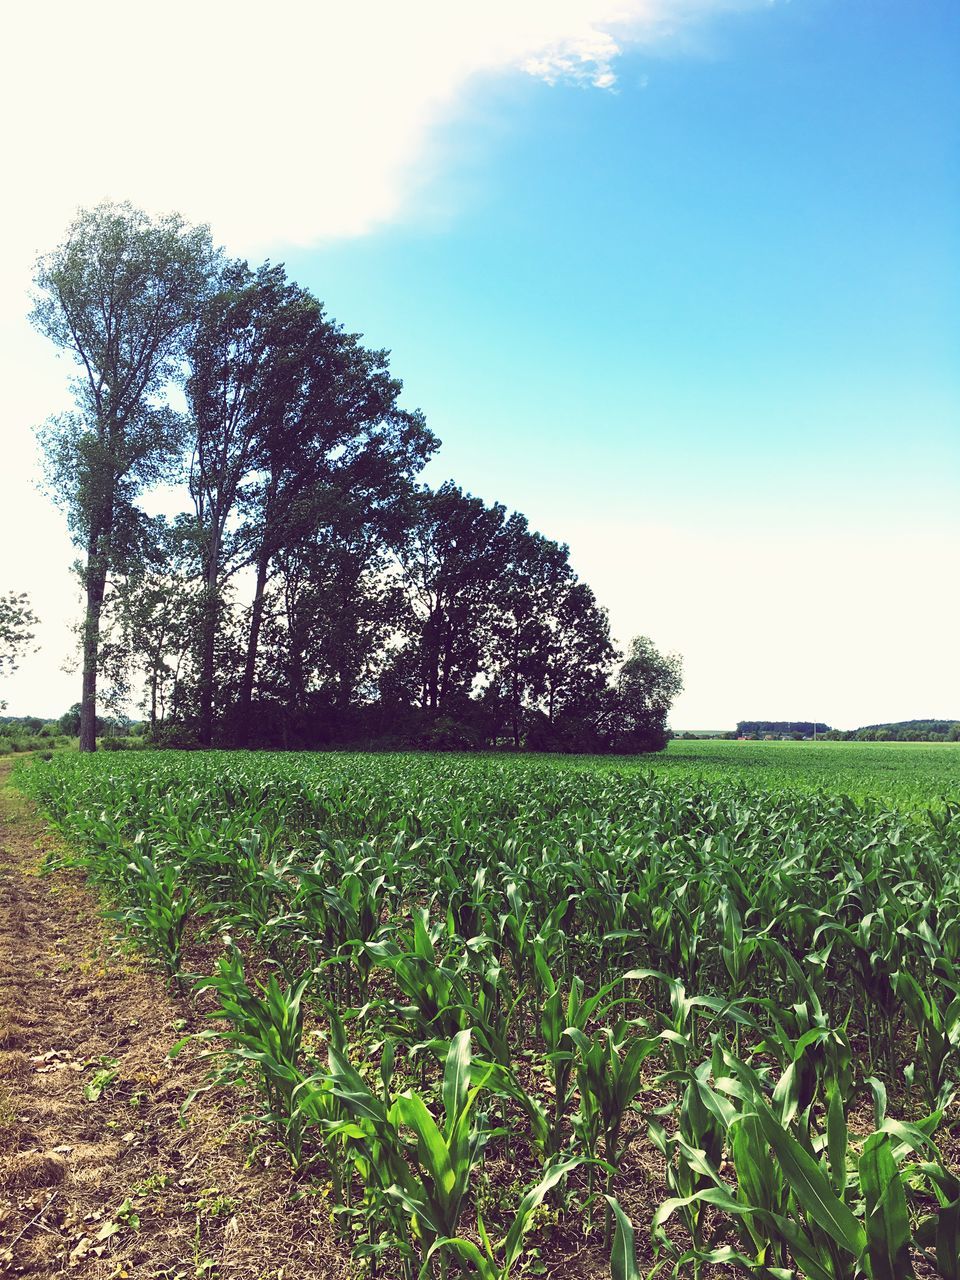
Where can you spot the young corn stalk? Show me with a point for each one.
(836, 1212)
(265, 1035)
(423, 1167)
(155, 907)
(610, 1076)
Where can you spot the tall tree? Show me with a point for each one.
(551, 648)
(117, 295)
(578, 653)
(340, 418)
(342, 599)
(249, 355)
(150, 621)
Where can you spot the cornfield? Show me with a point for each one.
(470, 992)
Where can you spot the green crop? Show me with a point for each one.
(479, 998)
(264, 1035)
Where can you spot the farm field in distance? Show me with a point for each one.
(910, 775)
(694, 1014)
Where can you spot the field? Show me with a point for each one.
(911, 775)
(694, 1015)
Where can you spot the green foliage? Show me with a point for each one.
(647, 686)
(118, 295)
(155, 906)
(17, 622)
(265, 1034)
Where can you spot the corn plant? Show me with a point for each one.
(155, 906)
(610, 1076)
(496, 1261)
(837, 1213)
(938, 1232)
(623, 1256)
(933, 1006)
(265, 1035)
(873, 946)
(428, 1174)
(561, 1014)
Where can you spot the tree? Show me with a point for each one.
(646, 687)
(69, 722)
(151, 619)
(537, 574)
(341, 599)
(579, 655)
(551, 651)
(17, 621)
(336, 423)
(117, 295)
(251, 340)
(452, 558)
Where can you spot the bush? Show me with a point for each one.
(176, 737)
(445, 734)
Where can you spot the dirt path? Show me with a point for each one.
(98, 1179)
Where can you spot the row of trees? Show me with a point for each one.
(781, 728)
(901, 731)
(313, 591)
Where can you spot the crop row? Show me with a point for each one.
(438, 969)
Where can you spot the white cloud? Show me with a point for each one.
(288, 122)
(585, 60)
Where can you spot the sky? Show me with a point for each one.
(678, 279)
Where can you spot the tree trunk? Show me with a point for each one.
(296, 691)
(96, 586)
(432, 634)
(207, 648)
(208, 634)
(256, 620)
(205, 727)
(515, 690)
(446, 664)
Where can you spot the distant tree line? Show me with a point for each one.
(314, 591)
(790, 728)
(902, 731)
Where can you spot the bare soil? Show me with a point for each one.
(98, 1177)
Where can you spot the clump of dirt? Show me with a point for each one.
(14, 1065)
(31, 1169)
(11, 1034)
(99, 1178)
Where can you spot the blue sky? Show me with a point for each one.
(732, 283)
(676, 278)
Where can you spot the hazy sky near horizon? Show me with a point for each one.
(679, 279)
